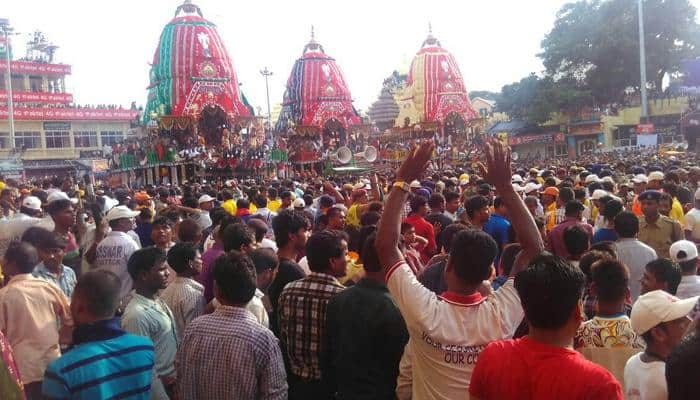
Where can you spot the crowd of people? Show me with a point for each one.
(500, 280)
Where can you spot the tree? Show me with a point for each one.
(534, 99)
(484, 94)
(595, 44)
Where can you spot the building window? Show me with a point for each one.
(562, 150)
(18, 83)
(28, 140)
(85, 139)
(4, 140)
(57, 139)
(111, 137)
(550, 151)
(625, 137)
(35, 83)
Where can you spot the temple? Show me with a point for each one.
(193, 83)
(435, 93)
(317, 97)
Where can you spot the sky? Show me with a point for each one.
(110, 43)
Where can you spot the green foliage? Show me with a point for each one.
(534, 99)
(595, 43)
(484, 94)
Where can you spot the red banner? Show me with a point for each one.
(41, 97)
(69, 114)
(27, 67)
(645, 129)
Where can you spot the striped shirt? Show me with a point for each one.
(302, 319)
(66, 281)
(229, 355)
(185, 297)
(153, 319)
(116, 368)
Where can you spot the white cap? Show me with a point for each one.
(608, 179)
(517, 179)
(518, 188)
(414, 185)
(58, 195)
(120, 212)
(361, 185)
(640, 178)
(299, 203)
(683, 250)
(32, 202)
(592, 178)
(697, 194)
(656, 307)
(531, 187)
(205, 198)
(656, 176)
(599, 194)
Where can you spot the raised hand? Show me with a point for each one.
(498, 164)
(416, 162)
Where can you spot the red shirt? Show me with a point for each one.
(527, 370)
(424, 229)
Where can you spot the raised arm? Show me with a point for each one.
(389, 230)
(498, 173)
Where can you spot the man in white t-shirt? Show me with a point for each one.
(660, 319)
(114, 250)
(448, 332)
(15, 227)
(691, 221)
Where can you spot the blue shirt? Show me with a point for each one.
(604, 235)
(499, 229)
(118, 367)
(66, 282)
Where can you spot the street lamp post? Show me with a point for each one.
(642, 63)
(7, 30)
(267, 74)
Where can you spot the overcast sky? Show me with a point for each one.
(110, 43)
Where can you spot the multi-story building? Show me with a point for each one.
(51, 133)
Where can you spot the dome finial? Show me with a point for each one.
(313, 44)
(189, 8)
(431, 40)
(313, 34)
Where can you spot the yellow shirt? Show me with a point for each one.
(230, 206)
(274, 205)
(676, 213)
(353, 219)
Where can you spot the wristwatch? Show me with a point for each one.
(402, 185)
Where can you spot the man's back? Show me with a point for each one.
(524, 369)
(364, 340)
(229, 355)
(635, 255)
(112, 254)
(114, 368)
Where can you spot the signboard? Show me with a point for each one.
(41, 97)
(28, 67)
(667, 130)
(100, 165)
(543, 138)
(585, 130)
(645, 129)
(57, 126)
(69, 114)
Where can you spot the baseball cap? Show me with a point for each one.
(32, 202)
(591, 178)
(599, 194)
(649, 195)
(205, 198)
(58, 195)
(640, 178)
(120, 212)
(299, 203)
(551, 191)
(415, 185)
(531, 187)
(683, 250)
(656, 307)
(656, 176)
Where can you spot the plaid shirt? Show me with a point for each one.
(229, 355)
(302, 319)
